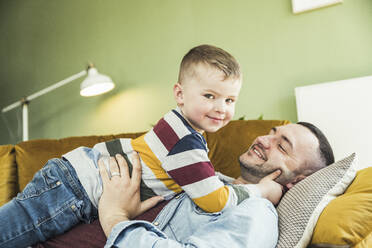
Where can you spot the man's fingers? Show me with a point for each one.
(114, 167)
(123, 166)
(149, 203)
(274, 175)
(137, 170)
(103, 171)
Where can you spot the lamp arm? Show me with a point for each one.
(44, 91)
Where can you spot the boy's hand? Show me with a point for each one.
(270, 189)
(120, 200)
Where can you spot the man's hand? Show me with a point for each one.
(270, 189)
(120, 200)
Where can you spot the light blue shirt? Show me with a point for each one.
(253, 223)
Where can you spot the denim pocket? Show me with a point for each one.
(44, 180)
(77, 208)
(52, 221)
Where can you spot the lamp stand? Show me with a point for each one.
(93, 85)
(26, 100)
(25, 103)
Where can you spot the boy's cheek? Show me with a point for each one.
(231, 113)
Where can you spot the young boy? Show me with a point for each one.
(174, 158)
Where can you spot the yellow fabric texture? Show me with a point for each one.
(8, 175)
(366, 242)
(347, 220)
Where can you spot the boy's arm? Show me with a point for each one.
(189, 166)
(242, 189)
(225, 179)
(270, 189)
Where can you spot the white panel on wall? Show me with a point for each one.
(343, 111)
(299, 6)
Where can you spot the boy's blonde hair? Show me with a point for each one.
(212, 56)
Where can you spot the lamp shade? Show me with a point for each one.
(95, 83)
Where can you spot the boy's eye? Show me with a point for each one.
(209, 96)
(229, 100)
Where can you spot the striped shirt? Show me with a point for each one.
(174, 158)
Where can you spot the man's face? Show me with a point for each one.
(286, 148)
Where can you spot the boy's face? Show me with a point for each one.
(206, 100)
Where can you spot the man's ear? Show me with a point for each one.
(297, 179)
(289, 185)
(178, 94)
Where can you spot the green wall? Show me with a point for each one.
(140, 44)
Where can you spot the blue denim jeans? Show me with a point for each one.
(52, 203)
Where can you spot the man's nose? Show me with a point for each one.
(265, 141)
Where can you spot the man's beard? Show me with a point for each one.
(255, 173)
(247, 171)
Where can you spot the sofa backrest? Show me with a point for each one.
(8, 173)
(20, 162)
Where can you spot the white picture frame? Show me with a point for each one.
(299, 6)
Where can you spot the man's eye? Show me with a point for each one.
(282, 148)
(229, 100)
(209, 96)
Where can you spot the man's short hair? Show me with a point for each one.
(325, 149)
(212, 56)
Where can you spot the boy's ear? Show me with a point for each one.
(178, 94)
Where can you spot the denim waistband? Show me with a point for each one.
(70, 178)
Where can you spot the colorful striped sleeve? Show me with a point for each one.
(189, 166)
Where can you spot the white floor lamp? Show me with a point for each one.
(94, 84)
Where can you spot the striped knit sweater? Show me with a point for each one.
(174, 158)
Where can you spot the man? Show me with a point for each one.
(296, 150)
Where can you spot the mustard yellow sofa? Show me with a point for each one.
(345, 222)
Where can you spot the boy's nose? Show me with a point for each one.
(220, 106)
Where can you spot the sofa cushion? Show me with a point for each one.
(8, 175)
(347, 220)
(300, 207)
